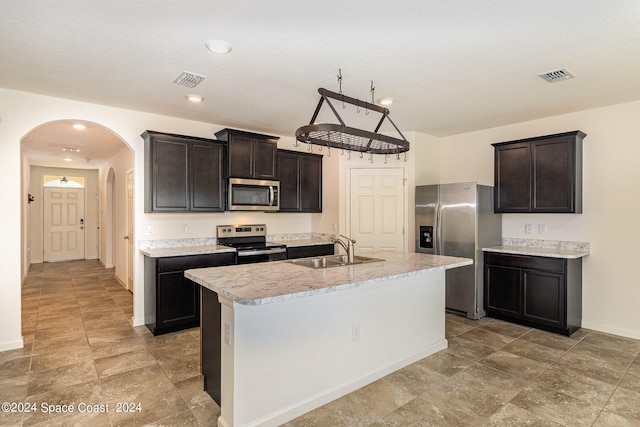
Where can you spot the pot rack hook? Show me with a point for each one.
(385, 158)
(340, 87)
(372, 90)
(371, 158)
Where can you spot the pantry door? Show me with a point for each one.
(63, 224)
(376, 209)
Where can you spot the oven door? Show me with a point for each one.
(249, 256)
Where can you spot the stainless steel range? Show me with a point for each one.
(250, 242)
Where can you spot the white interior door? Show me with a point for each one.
(376, 209)
(63, 224)
(129, 237)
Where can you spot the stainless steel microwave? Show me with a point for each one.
(253, 195)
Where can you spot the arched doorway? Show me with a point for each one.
(86, 149)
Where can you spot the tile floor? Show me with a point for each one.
(81, 349)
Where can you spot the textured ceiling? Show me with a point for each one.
(451, 66)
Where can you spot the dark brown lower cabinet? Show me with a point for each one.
(210, 344)
(540, 292)
(173, 300)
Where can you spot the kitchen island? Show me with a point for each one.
(294, 338)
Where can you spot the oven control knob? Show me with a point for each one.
(229, 230)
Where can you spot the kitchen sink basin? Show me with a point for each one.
(332, 261)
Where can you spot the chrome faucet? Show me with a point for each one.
(348, 247)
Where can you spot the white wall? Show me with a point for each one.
(21, 112)
(36, 210)
(121, 163)
(610, 207)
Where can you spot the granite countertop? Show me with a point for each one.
(263, 283)
(184, 250)
(302, 242)
(543, 248)
(208, 245)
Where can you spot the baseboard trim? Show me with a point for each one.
(124, 284)
(12, 345)
(607, 329)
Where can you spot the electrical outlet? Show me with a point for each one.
(528, 229)
(355, 332)
(186, 228)
(542, 228)
(148, 230)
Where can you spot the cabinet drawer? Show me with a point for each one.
(181, 263)
(525, 261)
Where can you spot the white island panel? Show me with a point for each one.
(289, 357)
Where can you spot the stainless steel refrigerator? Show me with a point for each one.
(458, 220)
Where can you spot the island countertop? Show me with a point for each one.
(263, 283)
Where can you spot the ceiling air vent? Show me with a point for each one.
(556, 76)
(188, 79)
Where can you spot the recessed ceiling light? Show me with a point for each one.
(67, 159)
(385, 101)
(79, 126)
(219, 47)
(77, 150)
(195, 98)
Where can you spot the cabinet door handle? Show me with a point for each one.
(126, 237)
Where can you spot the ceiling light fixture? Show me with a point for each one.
(195, 98)
(79, 126)
(219, 47)
(77, 150)
(67, 159)
(385, 101)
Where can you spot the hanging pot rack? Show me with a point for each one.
(339, 135)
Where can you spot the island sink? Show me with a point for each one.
(332, 261)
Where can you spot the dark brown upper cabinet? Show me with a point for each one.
(300, 176)
(539, 175)
(250, 155)
(183, 173)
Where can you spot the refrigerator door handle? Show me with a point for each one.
(436, 230)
